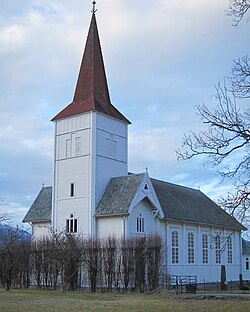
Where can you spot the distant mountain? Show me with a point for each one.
(6, 230)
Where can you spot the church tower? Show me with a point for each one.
(90, 144)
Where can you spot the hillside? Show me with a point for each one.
(7, 230)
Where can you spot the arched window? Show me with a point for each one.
(71, 224)
(190, 247)
(204, 248)
(175, 246)
(217, 249)
(229, 250)
(140, 224)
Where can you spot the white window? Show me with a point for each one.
(78, 146)
(140, 224)
(204, 248)
(68, 148)
(217, 249)
(111, 146)
(190, 247)
(175, 246)
(71, 224)
(229, 250)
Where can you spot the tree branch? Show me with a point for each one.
(238, 9)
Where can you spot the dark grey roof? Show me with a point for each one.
(177, 202)
(245, 247)
(187, 204)
(118, 195)
(41, 208)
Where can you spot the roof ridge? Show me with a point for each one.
(129, 176)
(175, 184)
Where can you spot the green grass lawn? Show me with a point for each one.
(36, 300)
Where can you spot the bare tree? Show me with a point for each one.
(92, 260)
(72, 260)
(226, 141)
(127, 262)
(153, 261)
(14, 258)
(240, 78)
(139, 258)
(4, 217)
(238, 9)
(109, 258)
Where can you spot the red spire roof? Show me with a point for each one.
(91, 93)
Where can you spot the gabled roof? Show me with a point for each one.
(178, 203)
(118, 195)
(41, 209)
(91, 93)
(187, 204)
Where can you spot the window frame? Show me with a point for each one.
(247, 263)
(205, 248)
(217, 249)
(68, 148)
(71, 225)
(77, 146)
(175, 246)
(72, 190)
(191, 247)
(140, 224)
(230, 250)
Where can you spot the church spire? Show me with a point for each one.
(91, 93)
(92, 82)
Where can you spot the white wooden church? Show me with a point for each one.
(94, 195)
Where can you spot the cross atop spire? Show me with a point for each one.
(91, 93)
(94, 9)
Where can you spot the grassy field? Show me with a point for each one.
(36, 300)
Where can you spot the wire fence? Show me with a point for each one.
(189, 284)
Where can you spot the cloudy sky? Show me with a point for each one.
(162, 58)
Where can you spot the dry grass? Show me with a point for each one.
(36, 300)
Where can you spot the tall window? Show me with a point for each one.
(205, 248)
(72, 189)
(229, 250)
(78, 146)
(71, 224)
(175, 247)
(68, 148)
(217, 249)
(140, 224)
(190, 247)
(247, 264)
(111, 145)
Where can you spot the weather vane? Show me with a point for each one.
(94, 9)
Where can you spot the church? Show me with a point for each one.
(95, 195)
